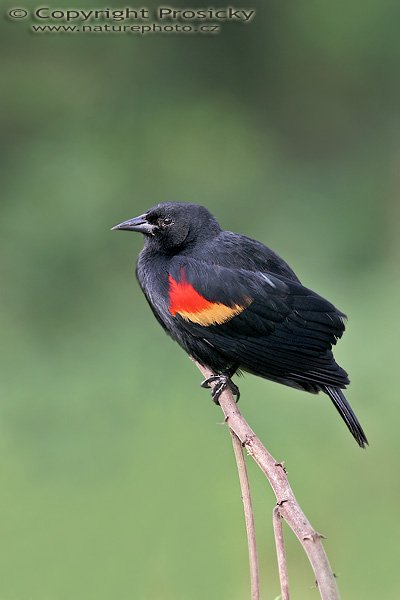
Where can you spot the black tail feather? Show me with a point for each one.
(347, 414)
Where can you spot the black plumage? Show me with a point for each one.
(234, 305)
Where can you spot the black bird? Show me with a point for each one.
(234, 305)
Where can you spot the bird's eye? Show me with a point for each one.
(167, 221)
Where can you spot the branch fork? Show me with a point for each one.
(287, 507)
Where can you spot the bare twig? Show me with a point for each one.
(248, 516)
(280, 553)
(289, 508)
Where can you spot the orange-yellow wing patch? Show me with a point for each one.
(185, 301)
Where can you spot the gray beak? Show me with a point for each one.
(136, 224)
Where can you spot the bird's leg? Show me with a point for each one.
(222, 382)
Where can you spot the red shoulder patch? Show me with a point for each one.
(186, 301)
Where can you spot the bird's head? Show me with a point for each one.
(173, 226)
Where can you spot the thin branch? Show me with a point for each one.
(289, 507)
(280, 553)
(248, 516)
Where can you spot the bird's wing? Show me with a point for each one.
(246, 253)
(260, 320)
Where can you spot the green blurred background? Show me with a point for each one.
(118, 480)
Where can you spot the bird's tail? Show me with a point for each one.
(347, 414)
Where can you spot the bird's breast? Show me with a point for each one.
(152, 275)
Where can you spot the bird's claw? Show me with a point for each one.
(222, 382)
(207, 382)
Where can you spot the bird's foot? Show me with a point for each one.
(222, 382)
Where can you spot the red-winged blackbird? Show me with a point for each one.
(234, 305)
